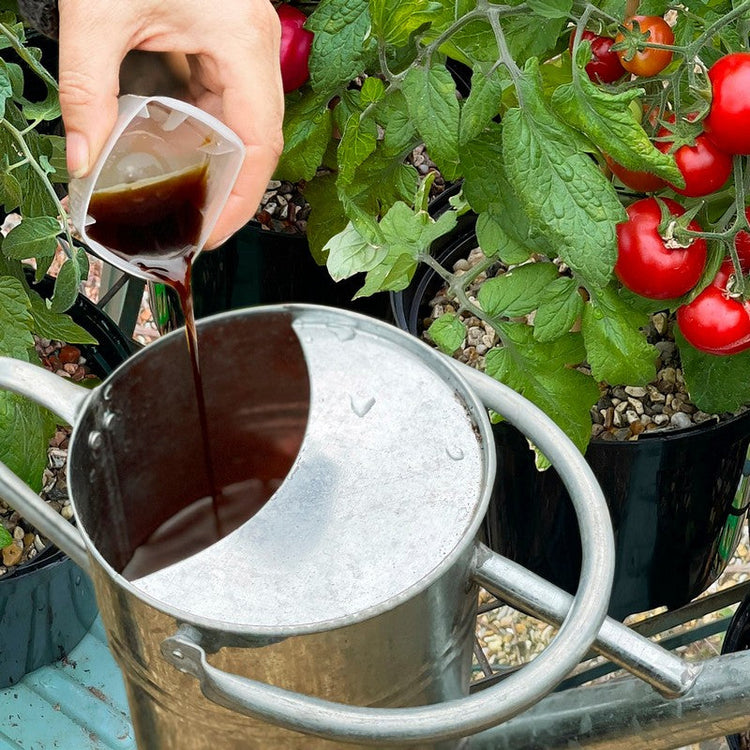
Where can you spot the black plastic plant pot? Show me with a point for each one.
(674, 497)
(737, 638)
(261, 267)
(47, 604)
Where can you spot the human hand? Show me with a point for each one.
(232, 49)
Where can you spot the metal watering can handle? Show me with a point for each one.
(65, 400)
(490, 706)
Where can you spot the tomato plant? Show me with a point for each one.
(640, 60)
(650, 265)
(728, 120)
(742, 244)
(704, 166)
(717, 321)
(296, 42)
(605, 65)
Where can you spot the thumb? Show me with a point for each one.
(89, 70)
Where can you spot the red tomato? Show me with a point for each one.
(704, 166)
(604, 65)
(646, 264)
(728, 120)
(648, 61)
(715, 322)
(295, 47)
(641, 182)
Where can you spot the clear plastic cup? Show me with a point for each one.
(158, 187)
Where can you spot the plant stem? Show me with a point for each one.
(20, 49)
(34, 164)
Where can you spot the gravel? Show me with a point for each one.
(622, 412)
(67, 362)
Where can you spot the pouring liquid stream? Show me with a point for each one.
(156, 225)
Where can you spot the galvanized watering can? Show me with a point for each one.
(342, 612)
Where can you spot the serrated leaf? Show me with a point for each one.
(327, 216)
(447, 332)
(342, 43)
(373, 91)
(394, 21)
(16, 321)
(25, 431)
(431, 97)
(495, 240)
(605, 117)
(5, 537)
(51, 325)
(616, 348)
(6, 87)
(529, 35)
(350, 253)
(400, 134)
(483, 102)
(10, 192)
(716, 384)
(307, 132)
(392, 275)
(564, 194)
(544, 373)
(551, 8)
(518, 291)
(559, 308)
(358, 141)
(67, 285)
(34, 237)
(42, 266)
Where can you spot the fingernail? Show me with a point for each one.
(77, 154)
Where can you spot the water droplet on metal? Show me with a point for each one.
(343, 333)
(360, 406)
(96, 440)
(454, 452)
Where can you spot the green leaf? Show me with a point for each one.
(606, 118)
(394, 21)
(350, 253)
(495, 240)
(373, 91)
(551, 8)
(483, 102)
(616, 349)
(327, 216)
(342, 44)
(6, 87)
(530, 35)
(51, 325)
(560, 306)
(34, 237)
(25, 431)
(67, 285)
(400, 133)
(564, 194)
(517, 291)
(57, 159)
(358, 141)
(447, 332)
(431, 97)
(16, 321)
(544, 373)
(5, 537)
(11, 194)
(393, 274)
(307, 131)
(716, 384)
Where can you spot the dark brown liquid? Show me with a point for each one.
(156, 226)
(191, 530)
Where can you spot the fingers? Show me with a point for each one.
(242, 86)
(90, 61)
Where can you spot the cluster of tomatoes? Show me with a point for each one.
(654, 261)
